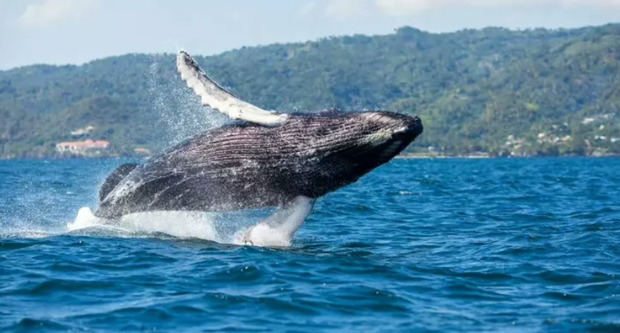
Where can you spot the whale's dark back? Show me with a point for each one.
(248, 166)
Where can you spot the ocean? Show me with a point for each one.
(416, 245)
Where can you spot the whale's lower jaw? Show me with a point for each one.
(250, 166)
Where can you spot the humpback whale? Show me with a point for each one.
(266, 159)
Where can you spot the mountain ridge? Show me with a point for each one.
(494, 91)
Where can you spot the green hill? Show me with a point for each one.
(531, 92)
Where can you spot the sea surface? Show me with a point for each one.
(505, 245)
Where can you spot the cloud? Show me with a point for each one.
(346, 8)
(308, 8)
(46, 13)
(407, 7)
(337, 9)
(402, 7)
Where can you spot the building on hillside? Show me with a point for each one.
(88, 148)
(83, 130)
(142, 151)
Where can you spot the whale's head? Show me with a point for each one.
(382, 134)
(349, 145)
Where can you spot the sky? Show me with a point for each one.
(78, 31)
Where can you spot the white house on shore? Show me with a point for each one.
(86, 148)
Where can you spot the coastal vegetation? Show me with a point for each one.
(492, 91)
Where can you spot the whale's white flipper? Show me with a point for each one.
(216, 97)
(278, 229)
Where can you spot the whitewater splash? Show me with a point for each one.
(174, 224)
(252, 227)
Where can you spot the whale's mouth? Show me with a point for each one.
(391, 149)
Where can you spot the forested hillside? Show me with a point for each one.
(533, 92)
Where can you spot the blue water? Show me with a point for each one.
(450, 245)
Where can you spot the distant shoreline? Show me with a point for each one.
(405, 156)
(487, 156)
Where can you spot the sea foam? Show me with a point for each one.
(226, 228)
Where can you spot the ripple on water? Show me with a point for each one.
(446, 245)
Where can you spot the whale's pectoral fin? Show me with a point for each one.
(278, 229)
(114, 178)
(217, 98)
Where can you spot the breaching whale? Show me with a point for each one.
(269, 159)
